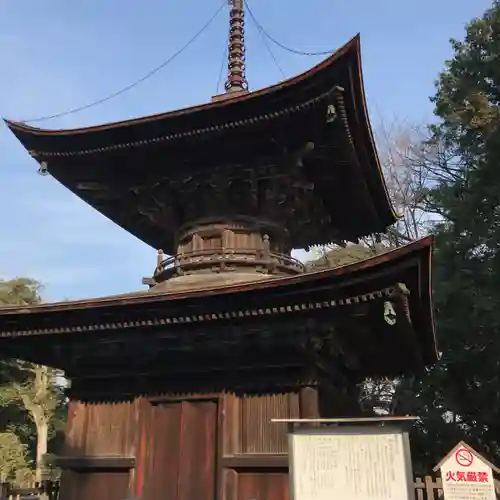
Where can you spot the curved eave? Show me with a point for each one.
(351, 48)
(364, 129)
(410, 262)
(58, 145)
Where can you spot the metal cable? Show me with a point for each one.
(279, 44)
(221, 70)
(266, 44)
(137, 82)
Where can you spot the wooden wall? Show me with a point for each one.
(254, 462)
(95, 432)
(180, 447)
(101, 429)
(197, 447)
(256, 432)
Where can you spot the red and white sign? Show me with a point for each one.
(466, 475)
(464, 457)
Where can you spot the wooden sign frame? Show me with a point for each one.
(353, 427)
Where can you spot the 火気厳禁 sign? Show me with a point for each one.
(466, 475)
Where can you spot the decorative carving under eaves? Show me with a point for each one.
(282, 176)
(281, 192)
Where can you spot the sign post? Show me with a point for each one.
(466, 475)
(351, 459)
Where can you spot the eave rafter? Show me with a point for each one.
(341, 329)
(192, 133)
(360, 316)
(203, 318)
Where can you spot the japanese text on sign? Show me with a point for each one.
(469, 476)
(466, 476)
(368, 466)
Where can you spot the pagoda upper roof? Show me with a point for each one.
(351, 300)
(104, 164)
(135, 132)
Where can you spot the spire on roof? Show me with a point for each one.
(236, 80)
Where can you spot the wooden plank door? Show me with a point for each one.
(181, 461)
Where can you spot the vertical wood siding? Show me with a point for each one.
(181, 451)
(258, 433)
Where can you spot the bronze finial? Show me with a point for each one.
(236, 79)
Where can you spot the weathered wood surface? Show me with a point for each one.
(100, 441)
(257, 433)
(185, 447)
(180, 460)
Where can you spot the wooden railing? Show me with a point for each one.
(48, 490)
(431, 488)
(428, 488)
(266, 261)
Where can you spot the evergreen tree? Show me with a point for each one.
(31, 397)
(460, 397)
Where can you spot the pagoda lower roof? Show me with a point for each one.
(109, 165)
(350, 301)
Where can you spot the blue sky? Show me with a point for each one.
(56, 55)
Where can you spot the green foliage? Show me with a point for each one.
(467, 96)
(20, 291)
(13, 456)
(32, 403)
(340, 256)
(460, 397)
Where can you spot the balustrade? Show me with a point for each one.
(227, 260)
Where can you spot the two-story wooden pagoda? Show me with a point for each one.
(173, 389)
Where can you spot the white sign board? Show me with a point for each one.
(350, 463)
(466, 476)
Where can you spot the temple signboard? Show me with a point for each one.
(352, 463)
(466, 475)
